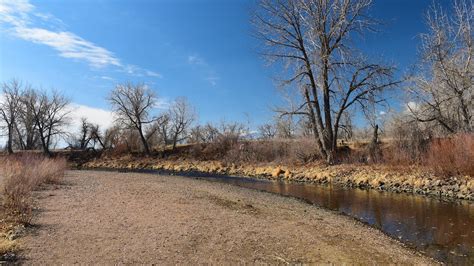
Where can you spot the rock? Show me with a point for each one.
(455, 188)
(287, 174)
(470, 185)
(8, 257)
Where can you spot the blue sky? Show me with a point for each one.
(201, 49)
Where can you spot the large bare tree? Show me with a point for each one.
(10, 108)
(181, 116)
(133, 103)
(50, 115)
(26, 130)
(314, 39)
(443, 91)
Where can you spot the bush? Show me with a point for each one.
(409, 143)
(20, 176)
(452, 156)
(16, 190)
(278, 150)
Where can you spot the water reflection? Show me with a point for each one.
(443, 230)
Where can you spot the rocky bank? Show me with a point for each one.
(384, 178)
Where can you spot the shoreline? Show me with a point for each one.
(409, 181)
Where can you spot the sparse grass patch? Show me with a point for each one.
(19, 177)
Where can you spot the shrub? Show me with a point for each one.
(16, 190)
(20, 176)
(289, 151)
(452, 156)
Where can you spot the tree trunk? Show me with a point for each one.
(175, 139)
(101, 143)
(10, 139)
(144, 142)
(314, 126)
(373, 147)
(375, 137)
(46, 150)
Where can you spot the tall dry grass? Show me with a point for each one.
(452, 156)
(20, 176)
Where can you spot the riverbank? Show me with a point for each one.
(406, 179)
(110, 217)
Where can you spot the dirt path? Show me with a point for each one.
(105, 217)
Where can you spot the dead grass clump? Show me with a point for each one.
(452, 156)
(51, 171)
(7, 246)
(16, 191)
(20, 176)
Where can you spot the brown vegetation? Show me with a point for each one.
(19, 177)
(452, 156)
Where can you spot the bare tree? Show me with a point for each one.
(27, 132)
(204, 133)
(313, 39)
(267, 131)
(49, 113)
(285, 127)
(96, 136)
(157, 133)
(83, 137)
(346, 126)
(443, 91)
(133, 103)
(181, 115)
(10, 108)
(111, 137)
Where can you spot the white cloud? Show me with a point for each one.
(212, 80)
(103, 118)
(196, 60)
(69, 45)
(107, 78)
(411, 106)
(162, 103)
(21, 15)
(153, 74)
(211, 76)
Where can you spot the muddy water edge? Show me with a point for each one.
(443, 230)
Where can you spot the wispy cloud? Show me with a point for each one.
(153, 74)
(22, 17)
(210, 75)
(212, 80)
(70, 45)
(196, 60)
(162, 103)
(107, 78)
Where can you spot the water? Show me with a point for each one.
(440, 229)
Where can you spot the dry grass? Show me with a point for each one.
(452, 156)
(7, 246)
(19, 177)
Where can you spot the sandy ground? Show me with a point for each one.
(109, 218)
